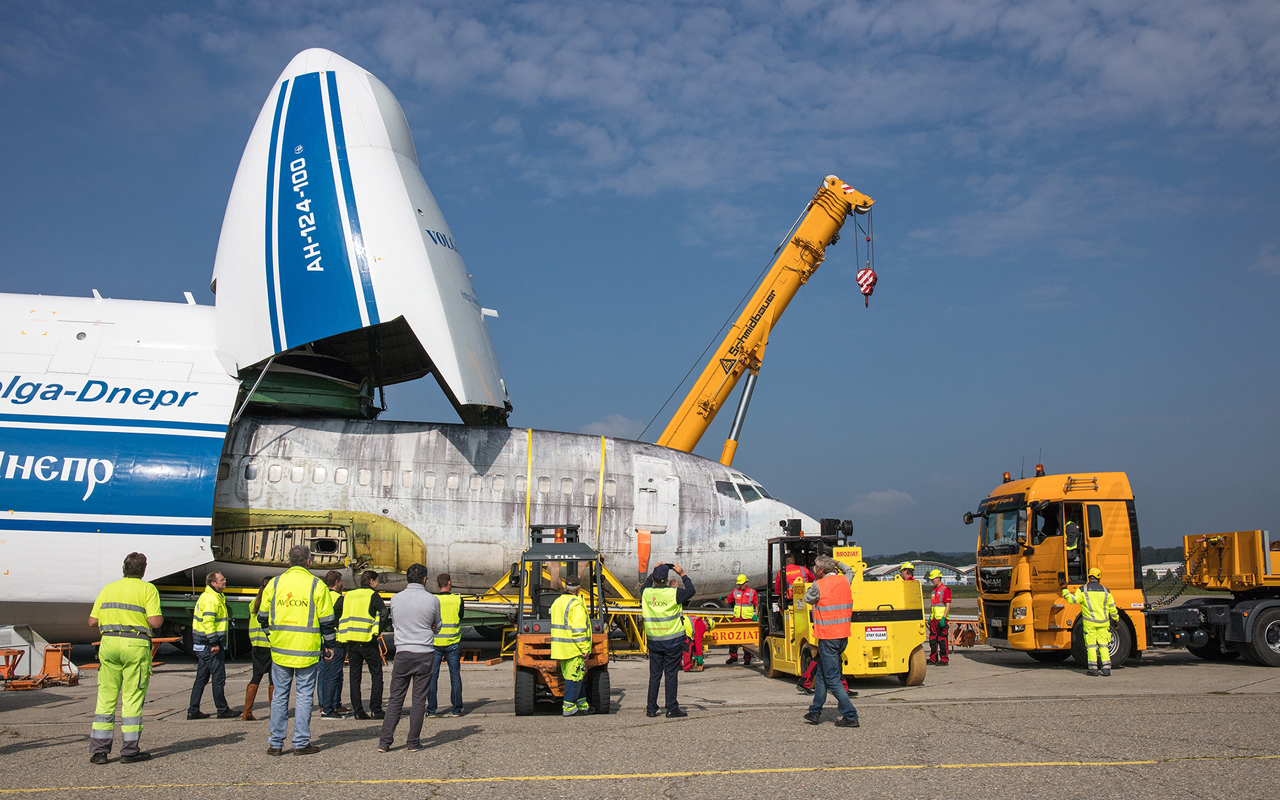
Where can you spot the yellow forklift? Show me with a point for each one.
(554, 553)
(888, 632)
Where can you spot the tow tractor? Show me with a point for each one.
(554, 553)
(888, 632)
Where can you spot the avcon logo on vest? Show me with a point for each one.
(45, 468)
(21, 392)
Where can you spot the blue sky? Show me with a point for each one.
(1075, 219)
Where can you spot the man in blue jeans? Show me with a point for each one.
(448, 644)
(330, 679)
(831, 599)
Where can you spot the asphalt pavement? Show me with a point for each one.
(990, 724)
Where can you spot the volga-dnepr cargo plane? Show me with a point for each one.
(218, 437)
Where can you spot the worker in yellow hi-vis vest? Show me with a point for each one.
(124, 614)
(209, 632)
(1098, 609)
(570, 645)
(448, 645)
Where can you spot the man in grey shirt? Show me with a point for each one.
(415, 615)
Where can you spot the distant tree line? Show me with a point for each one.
(962, 559)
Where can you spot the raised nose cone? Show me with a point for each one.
(317, 59)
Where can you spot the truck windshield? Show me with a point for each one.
(1003, 519)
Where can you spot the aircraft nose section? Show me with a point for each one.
(317, 59)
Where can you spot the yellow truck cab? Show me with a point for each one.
(1025, 560)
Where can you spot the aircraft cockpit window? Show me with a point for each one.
(499, 483)
(589, 487)
(250, 472)
(429, 481)
(273, 473)
(406, 478)
(761, 490)
(386, 477)
(476, 483)
(451, 482)
(749, 492)
(319, 474)
(610, 488)
(522, 483)
(738, 477)
(566, 486)
(224, 471)
(544, 485)
(295, 474)
(725, 488)
(364, 477)
(340, 476)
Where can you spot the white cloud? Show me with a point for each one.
(887, 501)
(1268, 260)
(614, 425)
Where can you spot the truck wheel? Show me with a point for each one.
(916, 666)
(766, 656)
(598, 691)
(1266, 638)
(1050, 656)
(1121, 645)
(525, 685)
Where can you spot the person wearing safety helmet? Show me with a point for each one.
(906, 572)
(939, 628)
(1098, 611)
(743, 599)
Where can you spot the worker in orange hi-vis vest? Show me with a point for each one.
(831, 598)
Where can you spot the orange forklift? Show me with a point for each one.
(554, 553)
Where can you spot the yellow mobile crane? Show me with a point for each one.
(742, 349)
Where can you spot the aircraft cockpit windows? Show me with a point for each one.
(544, 485)
(295, 474)
(250, 472)
(566, 486)
(476, 483)
(499, 483)
(610, 488)
(363, 477)
(726, 488)
(522, 483)
(429, 481)
(386, 478)
(274, 472)
(749, 492)
(319, 474)
(340, 476)
(224, 471)
(406, 478)
(589, 487)
(451, 482)
(761, 490)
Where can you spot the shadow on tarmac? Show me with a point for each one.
(190, 745)
(32, 744)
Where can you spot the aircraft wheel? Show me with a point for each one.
(525, 686)
(598, 691)
(916, 667)
(490, 632)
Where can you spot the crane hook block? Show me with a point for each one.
(867, 284)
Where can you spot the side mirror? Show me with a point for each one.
(968, 518)
(1021, 537)
(513, 577)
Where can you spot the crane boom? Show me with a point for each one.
(742, 349)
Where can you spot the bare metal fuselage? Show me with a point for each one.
(468, 494)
